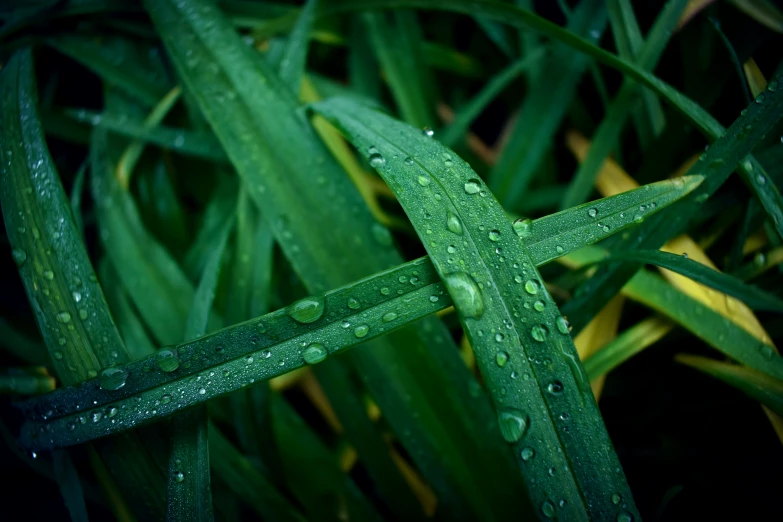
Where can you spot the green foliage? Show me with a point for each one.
(236, 317)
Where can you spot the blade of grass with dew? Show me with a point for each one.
(312, 471)
(279, 157)
(233, 344)
(110, 61)
(716, 164)
(245, 480)
(754, 297)
(189, 491)
(294, 59)
(544, 108)
(626, 345)
(648, 118)
(182, 141)
(533, 411)
(396, 40)
(56, 271)
(617, 113)
(467, 114)
(76, 197)
(757, 385)
(713, 328)
(763, 11)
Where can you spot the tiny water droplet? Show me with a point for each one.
(531, 286)
(376, 160)
(179, 476)
(58, 355)
(624, 517)
(548, 509)
(20, 256)
(555, 387)
(592, 212)
(760, 98)
(539, 306)
(527, 453)
(64, 317)
(513, 425)
(167, 360)
(559, 249)
(361, 330)
(501, 358)
(616, 498)
(494, 235)
(389, 317)
(353, 304)
(112, 378)
(499, 337)
(48, 274)
(563, 326)
(434, 298)
(423, 180)
(428, 132)
(307, 310)
(96, 416)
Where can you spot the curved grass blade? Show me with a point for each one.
(109, 60)
(617, 113)
(68, 301)
(294, 59)
(626, 345)
(396, 39)
(552, 413)
(70, 485)
(757, 385)
(464, 118)
(278, 156)
(752, 296)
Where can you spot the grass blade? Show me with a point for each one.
(752, 296)
(294, 59)
(757, 385)
(424, 174)
(616, 115)
(70, 486)
(626, 345)
(544, 108)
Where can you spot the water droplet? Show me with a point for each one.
(513, 425)
(501, 359)
(353, 304)
(555, 387)
(83, 314)
(64, 317)
(389, 317)
(179, 476)
(70, 426)
(454, 224)
(548, 509)
(377, 161)
(428, 132)
(499, 337)
(77, 296)
(167, 360)
(361, 330)
(616, 498)
(314, 353)
(465, 293)
(249, 359)
(112, 411)
(165, 398)
(592, 212)
(531, 286)
(539, 332)
(760, 98)
(385, 290)
(20, 256)
(423, 180)
(559, 249)
(202, 391)
(112, 378)
(523, 227)
(451, 249)
(58, 355)
(408, 161)
(494, 235)
(527, 453)
(48, 274)
(638, 218)
(563, 326)
(307, 310)
(539, 306)
(472, 186)
(624, 517)
(434, 298)
(96, 416)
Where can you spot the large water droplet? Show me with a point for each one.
(353, 304)
(179, 477)
(361, 330)
(513, 425)
(501, 359)
(472, 186)
(112, 378)
(389, 317)
(624, 517)
(377, 161)
(555, 387)
(494, 235)
(539, 332)
(167, 360)
(548, 509)
(314, 353)
(307, 310)
(523, 227)
(454, 224)
(465, 293)
(592, 212)
(531, 286)
(563, 326)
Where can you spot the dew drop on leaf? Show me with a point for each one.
(527, 453)
(167, 360)
(307, 310)
(389, 317)
(314, 353)
(454, 224)
(465, 293)
(513, 425)
(472, 186)
(377, 161)
(112, 378)
(501, 359)
(539, 333)
(523, 227)
(20, 256)
(361, 330)
(494, 235)
(531, 286)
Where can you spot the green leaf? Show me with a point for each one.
(70, 485)
(294, 59)
(469, 240)
(608, 132)
(626, 345)
(752, 296)
(757, 385)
